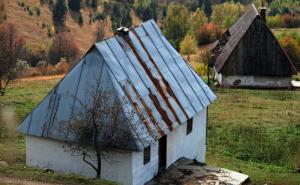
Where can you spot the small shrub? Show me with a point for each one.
(188, 45)
(30, 12)
(80, 20)
(42, 63)
(38, 11)
(21, 65)
(62, 67)
(30, 72)
(291, 21)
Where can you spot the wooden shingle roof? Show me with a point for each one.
(236, 32)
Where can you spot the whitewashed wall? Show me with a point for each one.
(191, 146)
(45, 153)
(253, 81)
(126, 168)
(144, 173)
(179, 145)
(258, 81)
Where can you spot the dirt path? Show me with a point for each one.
(42, 78)
(15, 181)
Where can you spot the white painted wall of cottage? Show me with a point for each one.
(253, 81)
(126, 167)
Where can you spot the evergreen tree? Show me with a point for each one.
(38, 12)
(146, 9)
(126, 20)
(74, 5)
(116, 16)
(94, 4)
(59, 12)
(207, 7)
(80, 20)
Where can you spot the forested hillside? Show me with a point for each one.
(51, 32)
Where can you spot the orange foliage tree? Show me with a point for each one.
(292, 48)
(208, 33)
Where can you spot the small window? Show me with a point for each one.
(189, 126)
(147, 152)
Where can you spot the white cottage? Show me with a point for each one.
(142, 66)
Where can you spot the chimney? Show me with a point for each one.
(123, 30)
(263, 11)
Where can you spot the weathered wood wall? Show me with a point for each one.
(258, 53)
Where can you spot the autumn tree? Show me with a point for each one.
(188, 45)
(59, 12)
(198, 19)
(176, 24)
(207, 33)
(226, 14)
(97, 127)
(74, 5)
(205, 59)
(63, 46)
(11, 47)
(292, 47)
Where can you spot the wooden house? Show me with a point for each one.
(248, 55)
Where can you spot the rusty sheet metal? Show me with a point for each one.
(160, 88)
(161, 84)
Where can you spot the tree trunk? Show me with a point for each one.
(208, 82)
(99, 165)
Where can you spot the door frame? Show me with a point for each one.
(162, 153)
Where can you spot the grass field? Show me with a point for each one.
(256, 132)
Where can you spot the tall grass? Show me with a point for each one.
(256, 126)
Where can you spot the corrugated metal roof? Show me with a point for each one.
(142, 66)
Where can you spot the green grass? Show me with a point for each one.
(21, 171)
(257, 130)
(253, 131)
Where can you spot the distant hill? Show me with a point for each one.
(35, 28)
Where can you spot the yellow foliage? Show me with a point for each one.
(198, 19)
(226, 14)
(188, 45)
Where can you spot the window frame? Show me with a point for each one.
(147, 155)
(189, 126)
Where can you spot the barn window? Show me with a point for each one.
(147, 152)
(189, 126)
